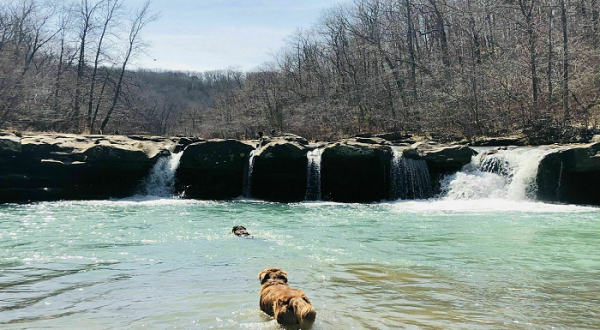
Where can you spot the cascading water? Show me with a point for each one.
(313, 176)
(247, 184)
(503, 174)
(409, 178)
(160, 182)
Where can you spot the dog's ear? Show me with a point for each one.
(262, 276)
(265, 275)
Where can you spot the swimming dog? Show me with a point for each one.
(288, 306)
(240, 231)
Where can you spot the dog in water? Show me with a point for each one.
(288, 306)
(240, 231)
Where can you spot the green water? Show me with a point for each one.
(173, 264)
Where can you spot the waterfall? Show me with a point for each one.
(313, 175)
(504, 174)
(160, 182)
(560, 174)
(247, 185)
(409, 178)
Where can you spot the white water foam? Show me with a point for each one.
(247, 185)
(483, 206)
(160, 182)
(313, 175)
(507, 174)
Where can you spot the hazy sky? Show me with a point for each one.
(200, 35)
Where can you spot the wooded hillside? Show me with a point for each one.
(448, 68)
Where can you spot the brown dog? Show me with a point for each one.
(288, 306)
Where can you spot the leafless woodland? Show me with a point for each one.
(446, 68)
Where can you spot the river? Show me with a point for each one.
(475, 258)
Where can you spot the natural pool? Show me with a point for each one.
(174, 264)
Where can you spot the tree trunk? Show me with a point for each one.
(441, 26)
(411, 48)
(550, 59)
(527, 12)
(565, 82)
(111, 8)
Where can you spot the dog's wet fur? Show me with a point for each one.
(290, 307)
(240, 231)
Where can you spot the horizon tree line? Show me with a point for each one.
(446, 68)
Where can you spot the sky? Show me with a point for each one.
(202, 35)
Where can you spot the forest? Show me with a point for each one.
(449, 69)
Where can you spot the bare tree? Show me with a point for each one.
(110, 9)
(135, 45)
(86, 12)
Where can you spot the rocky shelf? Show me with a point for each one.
(40, 167)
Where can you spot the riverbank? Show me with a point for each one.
(42, 166)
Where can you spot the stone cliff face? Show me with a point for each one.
(571, 175)
(213, 169)
(279, 172)
(356, 170)
(64, 166)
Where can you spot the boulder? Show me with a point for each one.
(279, 172)
(571, 175)
(213, 169)
(441, 159)
(352, 171)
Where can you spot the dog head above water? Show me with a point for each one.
(240, 231)
(272, 274)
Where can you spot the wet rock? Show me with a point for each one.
(213, 169)
(68, 166)
(571, 175)
(352, 171)
(493, 163)
(279, 172)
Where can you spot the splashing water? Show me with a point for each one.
(160, 182)
(313, 176)
(506, 174)
(247, 185)
(409, 178)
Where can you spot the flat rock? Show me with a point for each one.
(441, 158)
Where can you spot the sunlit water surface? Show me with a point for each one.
(174, 264)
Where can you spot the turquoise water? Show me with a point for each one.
(173, 264)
